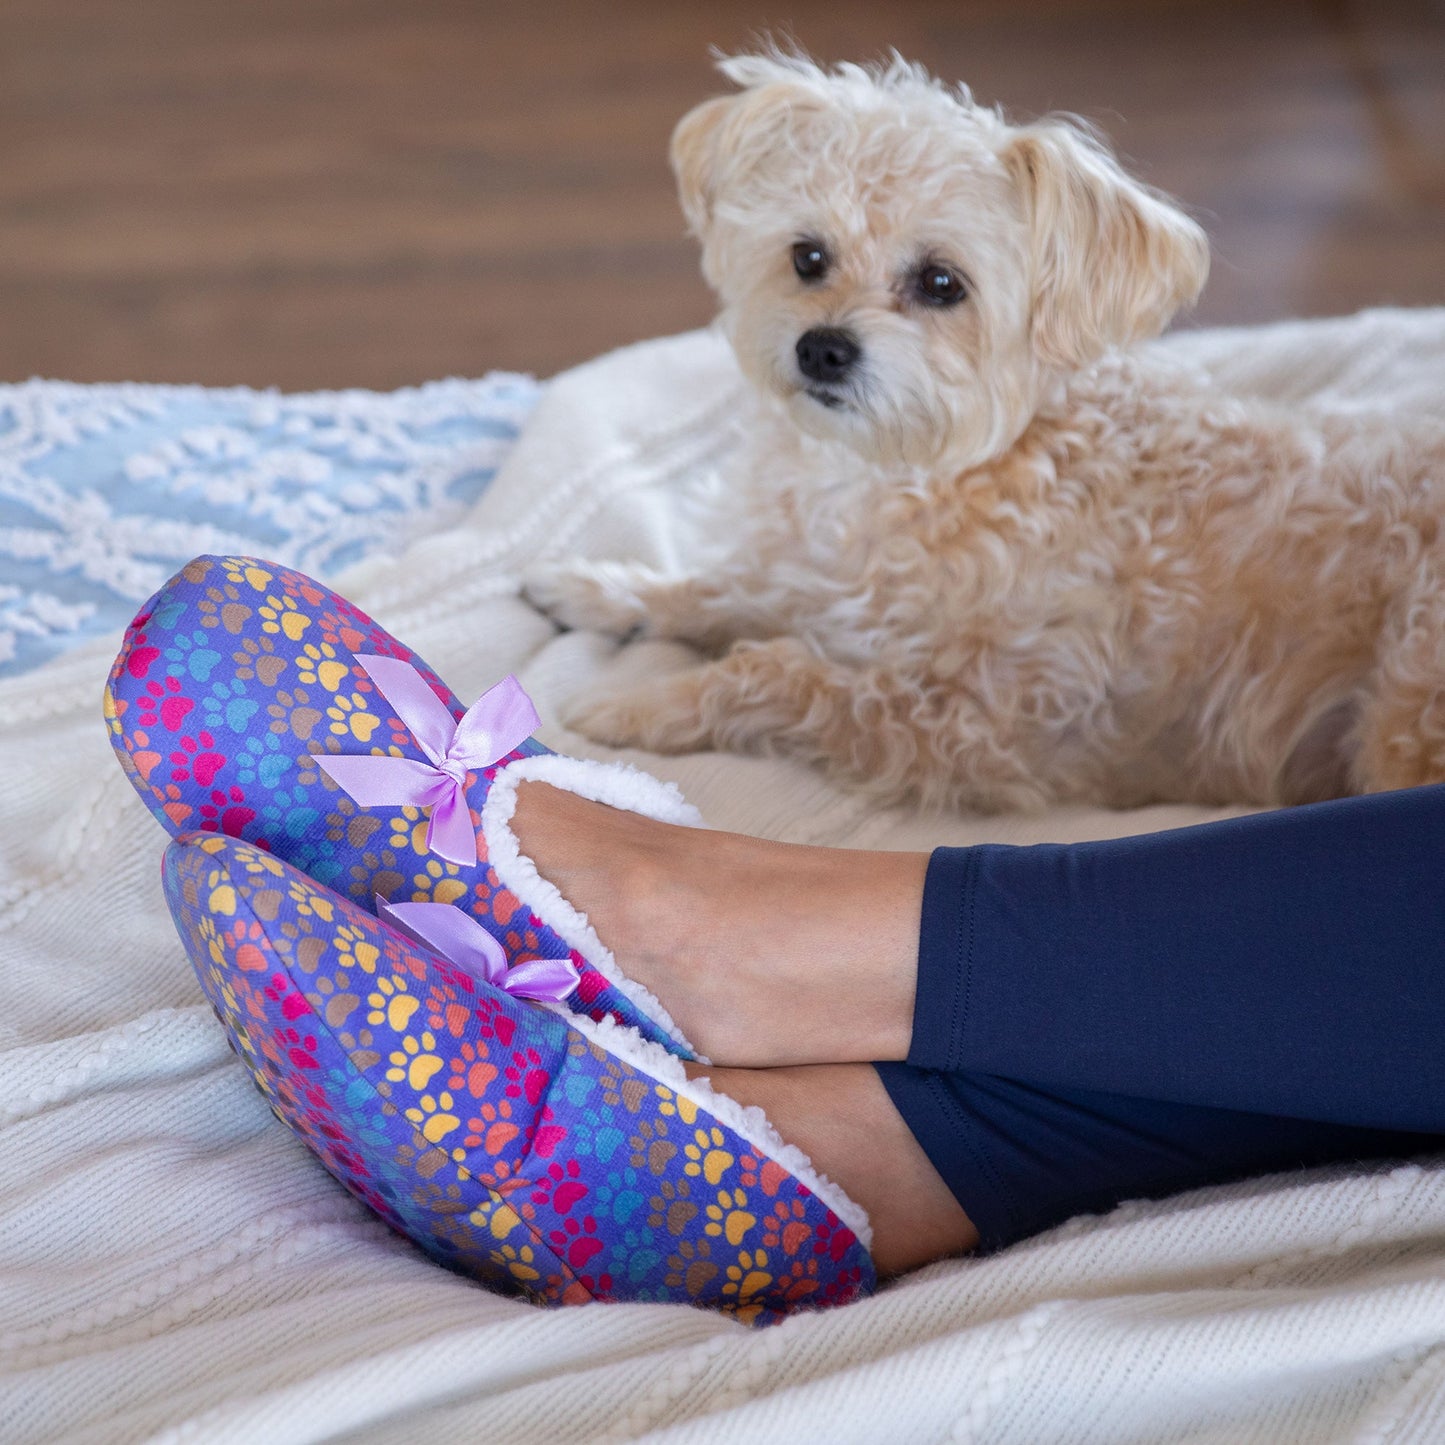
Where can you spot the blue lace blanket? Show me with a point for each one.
(105, 490)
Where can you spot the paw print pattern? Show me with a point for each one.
(519, 1263)
(415, 1062)
(391, 1004)
(706, 1155)
(353, 950)
(319, 664)
(281, 615)
(196, 759)
(437, 883)
(730, 1216)
(504, 1143)
(163, 703)
(433, 1116)
(349, 718)
(243, 571)
(408, 832)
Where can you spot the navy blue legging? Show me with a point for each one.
(1126, 1019)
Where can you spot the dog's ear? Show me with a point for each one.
(1112, 261)
(723, 139)
(695, 159)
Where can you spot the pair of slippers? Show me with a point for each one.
(423, 1009)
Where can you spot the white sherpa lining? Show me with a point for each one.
(747, 1121)
(619, 786)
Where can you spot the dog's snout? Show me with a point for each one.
(826, 353)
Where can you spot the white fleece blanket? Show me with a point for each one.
(174, 1266)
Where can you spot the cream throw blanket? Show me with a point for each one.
(174, 1266)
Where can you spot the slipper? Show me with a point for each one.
(540, 1152)
(252, 701)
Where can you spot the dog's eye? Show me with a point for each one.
(810, 261)
(939, 286)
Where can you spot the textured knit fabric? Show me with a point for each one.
(106, 489)
(174, 1266)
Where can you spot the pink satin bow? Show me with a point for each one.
(500, 720)
(461, 940)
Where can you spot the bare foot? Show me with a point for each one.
(840, 1115)
(765, 953)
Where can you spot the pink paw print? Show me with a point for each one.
(281, 990)
(577, 1240)
(197, 758)
(300, 1048)
(526, 1076)
(224, 814)
(162, 702)
(832, 1238)
(142, 654)
(561, 1186)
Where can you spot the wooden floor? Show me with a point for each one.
(325, 193)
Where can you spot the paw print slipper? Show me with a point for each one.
(250, 701)
(538, 1151)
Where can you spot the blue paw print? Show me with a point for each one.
(226, 705)
(288, 814)
(168, 614)
(593, 1138)
(189, 656)
(642, 1255)
(619, 1196)
(578, 1087)
(262, 761)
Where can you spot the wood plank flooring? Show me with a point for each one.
(327, 193)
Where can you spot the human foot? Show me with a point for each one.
(841, 1117)
(764, 953)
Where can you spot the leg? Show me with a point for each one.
(1020, 1158)
(1284, 963)
(625, 598)
(871, 726)
(764, 953)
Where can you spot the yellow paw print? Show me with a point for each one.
(239, 570)
(279, 614)
(706, 1155)
(310, 903)
(349, 715)
(222, 897)
(391, 1004)
(439, 884)
(208, 937)
(748, 1275)
(433, 1117)
(409, 831)
(413, 1062)
(517, 1262)
(674, 1105)
(729, 1216)
(352, 949)
(318, 663)
(255, 861)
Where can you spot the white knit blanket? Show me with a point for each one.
(173, 1265)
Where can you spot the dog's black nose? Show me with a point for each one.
(826, 353)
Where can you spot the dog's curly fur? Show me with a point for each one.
(1010, 558)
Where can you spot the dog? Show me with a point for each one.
(987, 550)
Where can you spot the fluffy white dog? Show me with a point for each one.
(983, 552)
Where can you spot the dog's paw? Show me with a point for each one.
(659, 716)
(595, 596)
